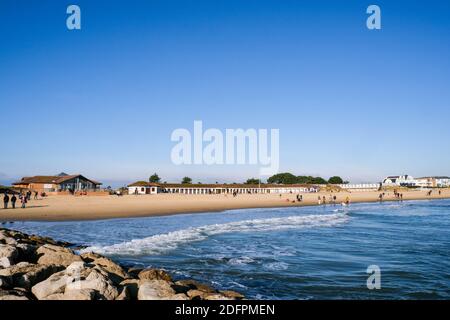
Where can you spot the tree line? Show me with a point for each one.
(280, 178)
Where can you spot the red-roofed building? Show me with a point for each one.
(63, 182)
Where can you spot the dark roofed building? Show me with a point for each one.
(71, 183)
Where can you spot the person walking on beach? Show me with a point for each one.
(324, 200)
(35, 195)
(23, 200)
(319, 200)
(13, 201)
(5, 201)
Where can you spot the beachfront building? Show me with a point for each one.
(442, 182)
(433, 182)
(142, 187)
(62, 183)
(426, 182)
(423, 182)
(399, 181)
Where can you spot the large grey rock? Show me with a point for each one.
(76, 269)
(51, 254)
(8, 255)
(26, 275)
(154, 274)
(196, 294)
(5, 263)
(6, 238)
(195, 285)
(155, 290)
(96, 281)
(114, 271)
(82, 294)
(54, 284)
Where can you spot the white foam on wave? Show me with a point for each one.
(161, 243)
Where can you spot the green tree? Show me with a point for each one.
(186, 180)
(283, 178)
(318, 180)
(335, 180)
(154, 178)
(252, 181)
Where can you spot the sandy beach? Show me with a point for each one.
(61, 208)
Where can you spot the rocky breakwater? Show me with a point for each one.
(39, 268)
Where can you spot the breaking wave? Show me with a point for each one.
(161, 243)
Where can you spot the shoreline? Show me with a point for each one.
(70, 208)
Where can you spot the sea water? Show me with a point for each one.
(320, 252)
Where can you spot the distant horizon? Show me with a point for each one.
(104, 100)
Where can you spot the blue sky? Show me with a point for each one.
(104, 100)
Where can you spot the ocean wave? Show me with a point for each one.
(162, 243)
(276, 266)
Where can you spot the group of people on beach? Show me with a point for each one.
(332, 200)
(24, 198)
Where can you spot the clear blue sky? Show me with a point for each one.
(104, 100)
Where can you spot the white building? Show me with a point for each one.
(142, 187)
(399, 181)
(423, 182)
(434, 182)
(442, 182)
(426, 182)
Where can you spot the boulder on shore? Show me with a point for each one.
(51, 254)
(154, 274)
(26, 275)
(155, 290)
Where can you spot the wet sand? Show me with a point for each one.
(61, 208)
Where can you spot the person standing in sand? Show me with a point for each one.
(5, 201)
(23, 200)
(319, 200)
(13, 201)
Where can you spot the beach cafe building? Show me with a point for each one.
(142, 187)
(62, 183)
